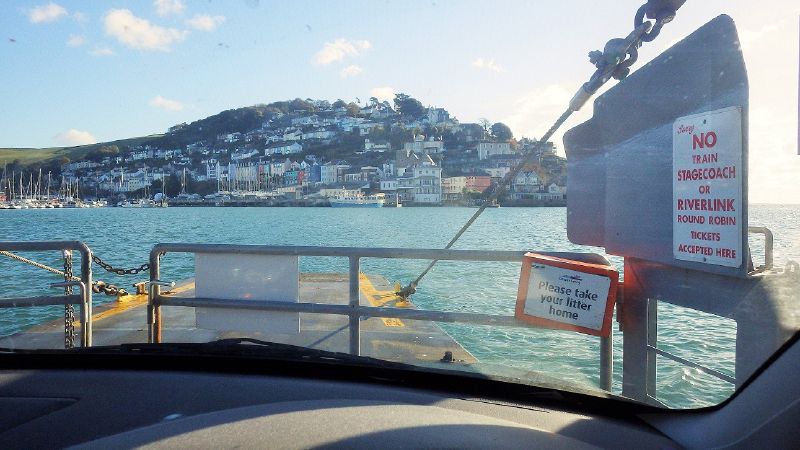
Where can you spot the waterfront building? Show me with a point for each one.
(453, 188)
(314, 172)
(388, 186)
(477, 183)
(332, 173)
(525, 184)
(426, 179)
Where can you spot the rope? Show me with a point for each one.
(614, 62)
(36, 264)
(497, 192)
(97, 286)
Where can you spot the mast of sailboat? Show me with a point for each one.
(183, 181)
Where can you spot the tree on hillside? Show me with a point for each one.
(302, 105)
(408, 106)
(339, 104)
(485, 124)
(502, 132)
(353, 109)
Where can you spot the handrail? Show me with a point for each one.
(85, 297)
(768, 246)
(353, 309)
(686, 362)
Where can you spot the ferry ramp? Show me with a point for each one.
(409, 341)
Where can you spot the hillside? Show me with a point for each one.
(40, 156)
(237, 120)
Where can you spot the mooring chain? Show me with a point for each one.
(69, 309)
(613, 62)
(109, 268)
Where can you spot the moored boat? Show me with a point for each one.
(359, 201)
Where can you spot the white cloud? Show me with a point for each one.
(101, 51)
(204, 22)
(165, 103)
(75, 137)
(167, 7)
(46, 13)
(487, 64)
(382, 93)
(350, 71)
(337, 50)
(76, 40)
(140, 33)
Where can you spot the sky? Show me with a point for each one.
(78, 72)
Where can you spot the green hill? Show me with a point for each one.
(31, 156)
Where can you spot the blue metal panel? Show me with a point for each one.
(620, 161)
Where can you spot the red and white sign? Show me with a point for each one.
(707, 188)
(567, 295)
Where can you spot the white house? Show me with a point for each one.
(283, 148)
(438, 115)
(427, 182)
(319, 134)
(365, 128)
(525, 184)
(212, 169)
(422, 146)
(370, 146)
(497, 172)
(332, 173)
(487, 149)
(388, 185)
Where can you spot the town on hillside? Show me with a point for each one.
(304, 152)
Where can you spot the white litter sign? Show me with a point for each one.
(568, 295)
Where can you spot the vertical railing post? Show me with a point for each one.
(154, 311)
(639, 326)
(355, 332)
(606, 362)
(652, 342)
(86, 278)
(86, 316)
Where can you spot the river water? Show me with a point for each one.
(124, 237)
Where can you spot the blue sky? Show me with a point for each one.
(75, 72)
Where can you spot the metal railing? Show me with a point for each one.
(353, 309)
(85, 297)
(768, 244)
(652, 321)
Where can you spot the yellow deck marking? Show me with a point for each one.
(130, 301)
(382, 298)
(373, 295)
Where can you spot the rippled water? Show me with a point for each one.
(124, 237)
